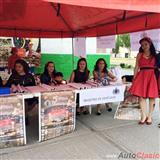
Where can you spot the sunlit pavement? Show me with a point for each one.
(95, 137)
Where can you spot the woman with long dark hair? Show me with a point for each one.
(80, 75)
(144, 83)
(49, 72)
(21, 75)
(101, 73)
(101, 65)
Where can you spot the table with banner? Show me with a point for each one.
(56, 112)
(12, 119)
(56, 109)
(12, 129)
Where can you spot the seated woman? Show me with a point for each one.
(22, 77)
(101, 73)
(48, 75)
(80, 75)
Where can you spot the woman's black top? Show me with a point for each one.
(45, 79)
(1, 84)
(80, 77)
(23, 80)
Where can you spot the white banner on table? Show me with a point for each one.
(106, 42)
(79, 45)
(101, 95)
(153, 34)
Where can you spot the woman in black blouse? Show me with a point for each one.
(21, 75)
(80, 75)
(49, 72)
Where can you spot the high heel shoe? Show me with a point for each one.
(140, 122)
(98, 113)
(148, 123)
(109, 109)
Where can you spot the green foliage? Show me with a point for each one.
(122, 41)
(123, 65)
(125, 40)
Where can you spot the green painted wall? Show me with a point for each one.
(63, 62)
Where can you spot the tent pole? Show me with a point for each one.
(72, 54)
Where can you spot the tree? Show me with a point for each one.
(122, 41)
(125, 40)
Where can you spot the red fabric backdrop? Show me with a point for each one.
(41, 18)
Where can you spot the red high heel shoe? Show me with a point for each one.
(140, 122)
(148, 123)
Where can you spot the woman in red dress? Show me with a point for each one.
(144, 82)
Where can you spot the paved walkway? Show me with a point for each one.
(95, 137)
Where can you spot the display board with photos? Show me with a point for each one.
(129, 109)
(5, 49)
(12, 132)
(29, 49)
(57, 114)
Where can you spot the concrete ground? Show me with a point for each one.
(95, 137)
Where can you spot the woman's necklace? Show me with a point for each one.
(81, 70)
(148, 54)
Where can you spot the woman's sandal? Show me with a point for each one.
(148, 123)
(98, 113)
(140, 122)
(109, 109)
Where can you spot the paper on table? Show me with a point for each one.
(75, 85)
(21, 89)
(63, 87)
(47, 87)
(35, 89)
(116, 83)
(80, 85)
(94, 84)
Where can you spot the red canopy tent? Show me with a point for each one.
(71, 18)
